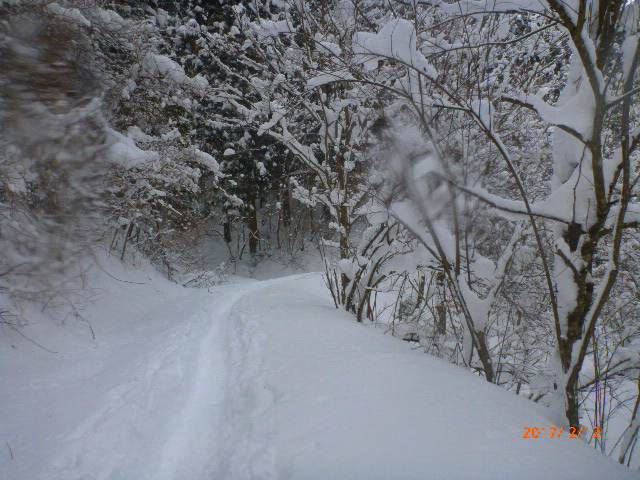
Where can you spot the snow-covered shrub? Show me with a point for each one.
(354, 281)
(156, 205)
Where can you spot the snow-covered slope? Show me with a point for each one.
(317, 396)
(257, 380)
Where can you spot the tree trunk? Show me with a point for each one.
(285, 202)
(252, 224)
(441, 320)
(227, 229)
(574, 320)
(285, 216)
(485, 357)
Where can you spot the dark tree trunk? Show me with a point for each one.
(441, 320)
(286, 206)
(252, 223)
(227, 229)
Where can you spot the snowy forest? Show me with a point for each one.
(340, 222)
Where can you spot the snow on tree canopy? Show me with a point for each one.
(396, 40)
(155, 64)
(124, 151)
(207, 160)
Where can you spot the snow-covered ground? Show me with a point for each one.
(253, 380)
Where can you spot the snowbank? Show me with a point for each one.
(314, 395)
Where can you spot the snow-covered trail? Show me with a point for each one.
(142, 401)
(257, 380)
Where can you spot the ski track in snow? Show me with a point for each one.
(187, 454)
(178, 383)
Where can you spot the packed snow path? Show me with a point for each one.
(261, 380)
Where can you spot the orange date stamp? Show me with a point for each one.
(553, 432)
